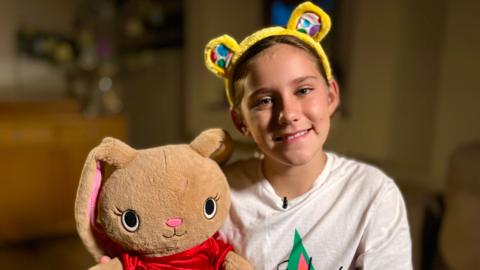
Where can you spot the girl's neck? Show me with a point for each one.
(292, 181)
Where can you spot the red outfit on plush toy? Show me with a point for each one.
(209, 256)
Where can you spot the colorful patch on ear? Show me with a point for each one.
(309, 23)
(219, 54)
(311, 20)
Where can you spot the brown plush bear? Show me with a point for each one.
(157, 208)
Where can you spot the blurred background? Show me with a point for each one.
(75, 71)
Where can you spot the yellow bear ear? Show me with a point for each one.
(219, 54)
(311, 20)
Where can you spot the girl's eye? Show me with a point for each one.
(130, 220)
(262, 102)
(304, 91)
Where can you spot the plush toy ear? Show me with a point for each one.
(114, 153)
(311, 20)
(219, 53)
(213, 143)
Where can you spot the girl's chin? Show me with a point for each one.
(292, 160)
(294, 156)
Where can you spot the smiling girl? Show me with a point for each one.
(299, 207)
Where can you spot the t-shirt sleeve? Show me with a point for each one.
(386, 243)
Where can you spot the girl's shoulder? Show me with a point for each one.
(244, 172)
(342, 164)
(358, 172)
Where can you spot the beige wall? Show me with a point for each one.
(457, 119)
(371, 77)
(205, 102)
(153, 100)
(392, 87)
(412, 94)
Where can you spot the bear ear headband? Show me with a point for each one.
(307, 22)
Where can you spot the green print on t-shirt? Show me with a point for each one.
(299, 259)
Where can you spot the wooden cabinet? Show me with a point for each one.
(42, 153)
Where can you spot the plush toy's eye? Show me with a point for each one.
(130, 220)
(210, 208)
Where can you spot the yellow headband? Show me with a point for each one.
(307, 22)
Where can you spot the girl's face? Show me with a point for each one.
(287, 105)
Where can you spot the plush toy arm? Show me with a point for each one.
(113, 264)
(233, 261)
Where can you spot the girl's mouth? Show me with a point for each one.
(290, 137)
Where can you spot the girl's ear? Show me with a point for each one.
(213, 143)
(333, 96)
(238, 122)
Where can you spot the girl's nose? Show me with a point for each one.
(174, 222)
(288, 113)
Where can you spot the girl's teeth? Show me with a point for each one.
(296, 135)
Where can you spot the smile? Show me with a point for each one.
(175, 233)
(292, 136)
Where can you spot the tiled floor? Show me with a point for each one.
(66, 252)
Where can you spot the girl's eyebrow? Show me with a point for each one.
(295, 81)
(259, 91)
(304, 78)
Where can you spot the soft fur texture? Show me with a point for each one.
(167, 183)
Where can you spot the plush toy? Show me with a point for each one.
(157, 208)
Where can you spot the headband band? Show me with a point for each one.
(307, 22)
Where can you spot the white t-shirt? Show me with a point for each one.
(353, 217)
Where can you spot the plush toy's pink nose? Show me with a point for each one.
(174, 222)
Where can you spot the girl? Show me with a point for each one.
(299, 207)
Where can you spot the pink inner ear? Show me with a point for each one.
(108, 246)
(93, 199)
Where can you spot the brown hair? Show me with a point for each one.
(241, 68)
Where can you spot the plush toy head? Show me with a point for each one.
(154, 202)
